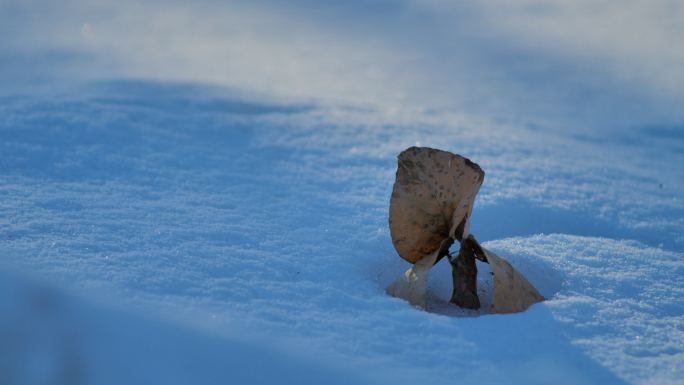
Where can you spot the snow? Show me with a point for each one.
(198, 193)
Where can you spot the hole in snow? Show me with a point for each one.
(540, 273)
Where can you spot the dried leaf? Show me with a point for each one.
(513, 293)
(430, 208)
(412, 286)
(433, 193)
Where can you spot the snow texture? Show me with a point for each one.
(198, 192)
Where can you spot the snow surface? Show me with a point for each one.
(198, 193)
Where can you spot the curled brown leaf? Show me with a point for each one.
(433, 193)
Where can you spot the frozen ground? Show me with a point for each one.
(198, 193)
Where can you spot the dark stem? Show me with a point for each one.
(464, 274)
(446, 244)
(444, 249)
(479, 253)
(458, 233)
